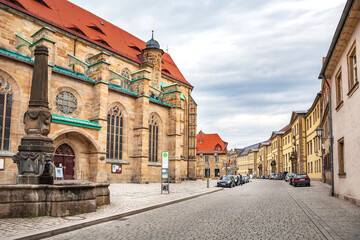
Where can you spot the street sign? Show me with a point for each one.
(165, 160)
(165, 180)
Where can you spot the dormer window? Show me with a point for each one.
(16, 3)
(102, 42)
(218, 148)
(42, 3)
(166, 71)
(135, 48)
(96, 29)
(75, 29)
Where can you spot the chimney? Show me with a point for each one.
(201, 133)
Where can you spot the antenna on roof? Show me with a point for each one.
(152, 34)
(167, 49)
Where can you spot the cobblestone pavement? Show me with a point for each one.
(262, 209)
(124, 197)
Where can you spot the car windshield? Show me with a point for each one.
(244, 175)
(300, 175)
(225, 178)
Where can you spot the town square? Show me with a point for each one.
(179, 119)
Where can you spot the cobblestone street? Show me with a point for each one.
(262, 209)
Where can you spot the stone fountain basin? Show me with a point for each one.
(64, 198)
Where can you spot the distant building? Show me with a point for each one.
(298, 134)
(211, 156)
(313, 144)
(246, 160)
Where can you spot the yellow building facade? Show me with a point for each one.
(287, 150)
(298, 129)
(313, 144)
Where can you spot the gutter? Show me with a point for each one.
(335, 39)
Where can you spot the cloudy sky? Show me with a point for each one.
(251, 62)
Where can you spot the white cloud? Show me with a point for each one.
(251, 62)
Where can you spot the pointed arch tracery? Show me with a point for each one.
(153, 138)
(6, 100)
(115, 126)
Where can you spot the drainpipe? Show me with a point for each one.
(188, 123)
(75, 40)
(331, 135)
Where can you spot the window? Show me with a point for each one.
(311, 167)
(206, 158)
(66, 102)
(341, 155)
(207, 172)
(5, 113)
(114, 140)
(338, 85)
(126, 73)
(352, 68)
(153, 139)
(216, 158)
(217, 172)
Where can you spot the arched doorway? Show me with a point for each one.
(65, 157)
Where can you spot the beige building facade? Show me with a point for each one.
(114, 108)
(341, 69)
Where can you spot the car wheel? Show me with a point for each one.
(294, 185)
(309, 185)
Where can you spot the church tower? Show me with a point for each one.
(152, 56)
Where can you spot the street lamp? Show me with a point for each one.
(319, 133)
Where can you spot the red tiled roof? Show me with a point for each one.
(209, 142)
(286, 128)
(66, 15)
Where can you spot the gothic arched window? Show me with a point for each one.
(124, 83)
(153, 139)
(5, 113)
(114, 141)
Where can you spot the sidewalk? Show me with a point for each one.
(337, 217)
(125, 198)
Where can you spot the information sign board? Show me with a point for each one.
(165, 172)
(59, 173)
(165, 159)
(116, 168)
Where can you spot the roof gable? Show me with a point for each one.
(207, 143)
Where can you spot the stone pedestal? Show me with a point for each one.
(56, 200)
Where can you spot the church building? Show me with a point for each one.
(116, 101)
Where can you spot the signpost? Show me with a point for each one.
(165, 172)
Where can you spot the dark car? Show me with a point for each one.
(301, 179)
(226, 181)
(237, 180)
(266, 176)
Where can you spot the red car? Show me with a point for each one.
(301, 179)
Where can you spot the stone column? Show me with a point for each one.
(99, 71)
(35, 156)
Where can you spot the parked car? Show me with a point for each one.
(301, 179)
(272, 175)
(237, 179)
(287, 177)
(226, 181)
(245, 178)
(291, 178)
(282, 175)
(266, 176)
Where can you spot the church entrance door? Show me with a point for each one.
(65, 158)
